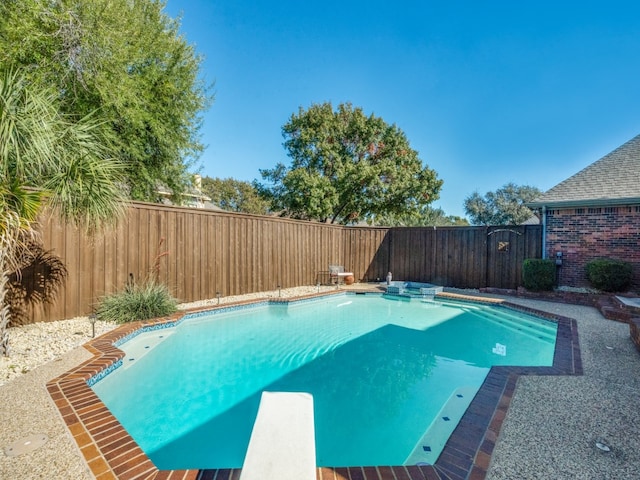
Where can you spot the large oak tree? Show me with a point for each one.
(234, 195)
(426, 216)
(505, 206)
(346, 167)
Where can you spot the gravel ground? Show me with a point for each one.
(554, 422)
(39, 343)
(28, 410)
(550, 431)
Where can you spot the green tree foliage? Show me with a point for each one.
(234, 195)
(427, 216)
(346, 167)
(125, 61)
(505, 206)
(47, 156)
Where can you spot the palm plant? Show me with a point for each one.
(48, 159)
(18, 211)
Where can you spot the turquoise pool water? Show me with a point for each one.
(390, 378)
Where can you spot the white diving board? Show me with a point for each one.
(282, 444)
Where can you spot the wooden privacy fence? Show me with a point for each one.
(463, 257)
(200, 253)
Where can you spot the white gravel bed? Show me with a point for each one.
(38, 343)
(283, 293)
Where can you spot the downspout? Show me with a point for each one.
(544, 231)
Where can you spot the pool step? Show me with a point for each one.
(413, 289)
(429, 447)
(530, 328)
(533, 322)
(525, 329)
(139, 346)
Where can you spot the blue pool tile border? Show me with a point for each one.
(147, 328)
(96, 378)
(224, 309)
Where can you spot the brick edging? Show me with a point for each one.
(634, 328)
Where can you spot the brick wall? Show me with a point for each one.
(634, 327)
(583, 234)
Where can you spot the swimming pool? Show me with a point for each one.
(390, 378)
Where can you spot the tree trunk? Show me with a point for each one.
(4, 308)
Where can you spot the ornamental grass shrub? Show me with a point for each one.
(137, 302)
(609, 275)
(539, 274)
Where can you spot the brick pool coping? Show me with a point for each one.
(111, 453)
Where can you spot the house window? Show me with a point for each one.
(579, 211)
(595, 210)
(638, 209)
(611, 210)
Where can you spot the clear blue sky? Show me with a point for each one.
(487, 92)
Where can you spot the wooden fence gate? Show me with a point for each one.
(463, 257)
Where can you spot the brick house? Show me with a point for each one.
(594, 214)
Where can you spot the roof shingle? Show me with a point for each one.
(610, 180)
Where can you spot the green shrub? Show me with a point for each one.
(609, 275)
(137, 302)
(539, 274)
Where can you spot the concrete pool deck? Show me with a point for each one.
(550, 429)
